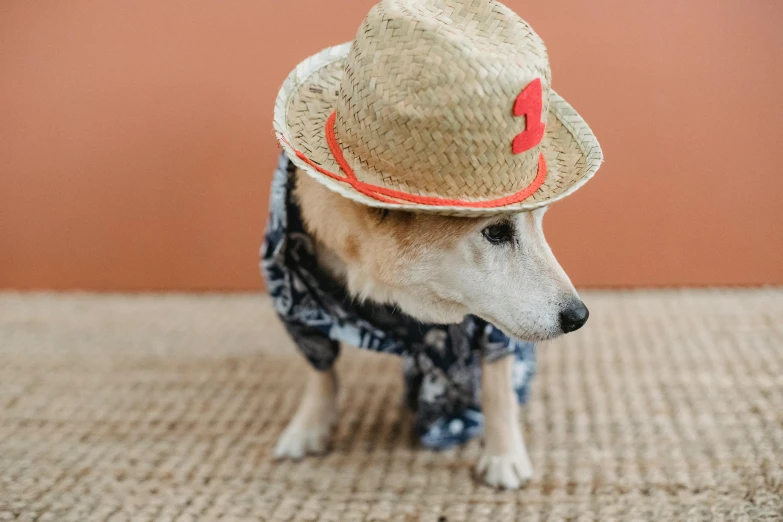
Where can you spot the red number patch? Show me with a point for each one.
(529, 105)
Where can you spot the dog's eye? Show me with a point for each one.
(499, 233)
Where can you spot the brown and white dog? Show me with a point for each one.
(437, 269)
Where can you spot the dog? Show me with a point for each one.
(418, 162)
(438, 269)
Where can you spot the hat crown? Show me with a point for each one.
(431, 97)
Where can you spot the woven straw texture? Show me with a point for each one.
(423, 100)
(667, 406)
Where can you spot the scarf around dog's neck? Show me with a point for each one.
(441, 363)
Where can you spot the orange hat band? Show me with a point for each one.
(386, 195)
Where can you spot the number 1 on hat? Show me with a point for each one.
(529, 104)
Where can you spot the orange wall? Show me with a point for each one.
(136, 144)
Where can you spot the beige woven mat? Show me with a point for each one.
(667, 406)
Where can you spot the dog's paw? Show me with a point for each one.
(509, 471)
(298, 441)
(309, 432)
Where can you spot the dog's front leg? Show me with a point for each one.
(505, 462)
(309, 431)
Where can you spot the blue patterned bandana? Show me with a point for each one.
(441, 363)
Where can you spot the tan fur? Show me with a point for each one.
(361, 232)
(505, 462)
(309, 431)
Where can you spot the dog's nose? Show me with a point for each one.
(574, 317)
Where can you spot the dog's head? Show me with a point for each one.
(440, 268)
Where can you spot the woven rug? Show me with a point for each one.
(668, 405)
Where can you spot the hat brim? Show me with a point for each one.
(307, 99)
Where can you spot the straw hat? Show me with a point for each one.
(437, 106)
